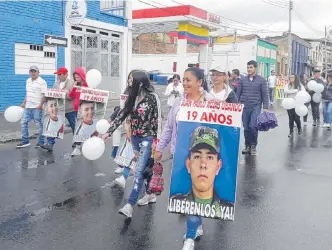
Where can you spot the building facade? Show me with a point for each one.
(266, 57)
(236, 55)
(300, 54)
(100, 41)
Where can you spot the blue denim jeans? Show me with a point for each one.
(193, 222)
(327, 112)
(143, 145)
(249, 118)
(272, 94)
(71, 117)
(37, 116)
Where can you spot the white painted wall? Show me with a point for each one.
(25, 58)
(244, 52)
(163, 62)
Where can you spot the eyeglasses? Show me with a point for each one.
(33, 70)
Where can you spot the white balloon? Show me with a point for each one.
(301, 110)
(288, 103)
(14, 113)
(319, 88)
(302, 97)
(312, 84)
(102, 126)
(93, 148)
(93, 78)
(317, 97)
(309, 99)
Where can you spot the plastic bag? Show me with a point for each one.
(156, 185)
(125, 154)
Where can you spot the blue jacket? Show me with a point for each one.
(252, 93)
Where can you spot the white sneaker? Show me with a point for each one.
(76, 152)
(325, 125)
(188, 244)
(127, 211)
(120, 181)
(118, 170)
(199, 233)
(148, 198)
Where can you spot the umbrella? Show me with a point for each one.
(266, 121)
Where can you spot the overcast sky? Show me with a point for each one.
(308, 19)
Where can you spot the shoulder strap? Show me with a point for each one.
(159, 116)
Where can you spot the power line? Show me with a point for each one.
(277, 20)
(254, 29)
(189, 17)
(306, 24)
(276, 4)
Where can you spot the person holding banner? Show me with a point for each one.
(64, 83)
(252, 92)
(145, 124)
(221, 90)
(79, 81)
(192, 82)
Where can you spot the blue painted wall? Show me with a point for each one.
(300, 57)
(28, 22)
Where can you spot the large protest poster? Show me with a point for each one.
(203, 181)
(93, 103)
(54, 113)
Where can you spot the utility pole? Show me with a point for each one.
(290, 39)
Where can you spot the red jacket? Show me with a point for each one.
(74, 93)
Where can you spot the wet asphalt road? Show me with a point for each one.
(51, 201)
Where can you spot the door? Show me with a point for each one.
(99, 50)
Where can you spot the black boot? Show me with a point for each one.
(246, 150)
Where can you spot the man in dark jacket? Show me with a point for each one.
(235, 79)
(252, 92)
(315, 106)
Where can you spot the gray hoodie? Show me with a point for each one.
(68, 86)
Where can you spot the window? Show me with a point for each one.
(36, 47)
(49, 54)
(113, 7)
(32, 54)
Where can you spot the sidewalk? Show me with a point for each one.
(11, 132)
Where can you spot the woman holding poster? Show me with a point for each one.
(142, 108)
(204, 143)
(79, 81)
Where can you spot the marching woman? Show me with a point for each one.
(141, 110)
(221, 90)
(173, 90)
(192, 83)
(79, 81)
(291, 89)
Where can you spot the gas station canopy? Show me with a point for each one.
(187, 19)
